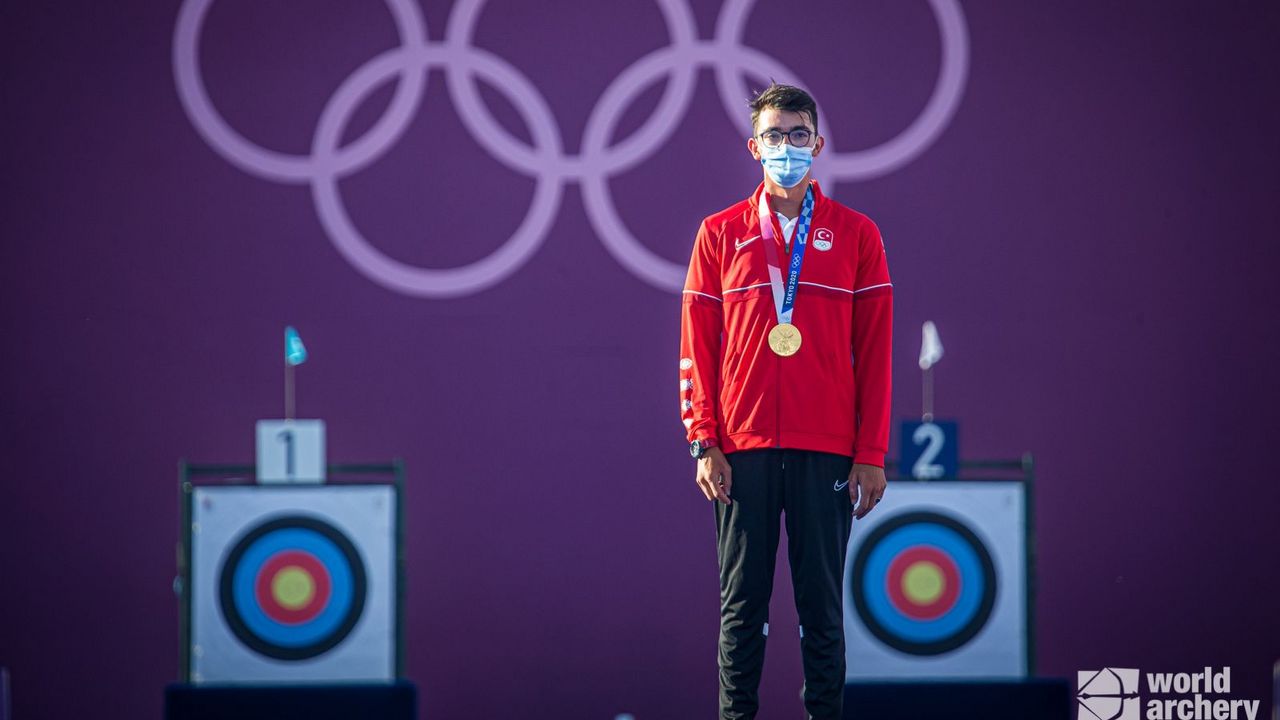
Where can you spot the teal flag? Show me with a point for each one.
(295, 353)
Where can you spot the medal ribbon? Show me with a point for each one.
(784, 299)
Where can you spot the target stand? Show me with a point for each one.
(939, 598)
(938, 578)
(291, 584)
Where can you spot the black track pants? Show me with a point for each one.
(811, 488)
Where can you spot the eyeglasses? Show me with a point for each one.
(799, 137)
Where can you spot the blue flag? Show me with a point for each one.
(295, 353)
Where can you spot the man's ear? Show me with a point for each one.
(753, 148)
(817, 146)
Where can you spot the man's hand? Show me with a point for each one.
(867, 480)
(715, 477)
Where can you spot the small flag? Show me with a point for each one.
(295, 353)
(930, 346)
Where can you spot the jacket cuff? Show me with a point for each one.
(706, 436)
(869, 457)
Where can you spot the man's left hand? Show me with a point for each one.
(868, 482)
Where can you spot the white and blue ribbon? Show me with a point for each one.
(784, 296)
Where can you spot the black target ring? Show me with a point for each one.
(348, 608)
(868, 598)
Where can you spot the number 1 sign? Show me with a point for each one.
(290, 451)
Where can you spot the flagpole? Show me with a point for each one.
(928, 395)
(288, 390)
(295, 353)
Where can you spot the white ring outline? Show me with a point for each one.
(601, 211)
(912, 141)
(545, 161)
(513, 153)
(403, 277)
(271, 164)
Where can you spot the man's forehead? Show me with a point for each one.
(784, 119)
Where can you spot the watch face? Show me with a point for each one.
(695, 448)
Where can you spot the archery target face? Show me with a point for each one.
(293, 583)
(292, 588)
(935, 585)
(925, 583)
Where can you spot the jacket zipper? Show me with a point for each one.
(777, 428)
(777, 383)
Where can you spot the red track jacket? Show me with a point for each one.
(831, 396)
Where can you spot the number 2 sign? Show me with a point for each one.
(929, 449)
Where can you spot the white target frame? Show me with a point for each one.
(996, 513)
(220, 515)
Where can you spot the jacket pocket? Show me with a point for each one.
(731, 378)
(729, 375)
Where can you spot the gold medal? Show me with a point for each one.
(784, 339)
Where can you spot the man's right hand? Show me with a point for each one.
(715, 477)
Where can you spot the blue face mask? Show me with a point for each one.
(786, 164)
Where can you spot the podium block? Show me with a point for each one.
(391, 701)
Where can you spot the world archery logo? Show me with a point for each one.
(1112, 694)
(1108, 694)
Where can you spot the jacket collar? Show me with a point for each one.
(818, 197)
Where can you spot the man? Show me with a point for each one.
(790, 411)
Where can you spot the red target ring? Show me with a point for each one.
(923, 582)
(292, 587)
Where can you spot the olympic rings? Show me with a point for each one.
(400, 276)
(270, 164)
(545, 160)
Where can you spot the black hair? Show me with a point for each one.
(788, 98)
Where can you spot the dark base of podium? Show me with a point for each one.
(1031, 699)
(388, 701)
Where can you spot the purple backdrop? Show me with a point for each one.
(1093, 231)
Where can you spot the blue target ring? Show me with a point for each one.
(313, 538)
(246, 574)
(875, 606)
(877, 569)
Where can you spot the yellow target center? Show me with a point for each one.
(923, 582)
(293, 587)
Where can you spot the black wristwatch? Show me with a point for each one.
(698, 448)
